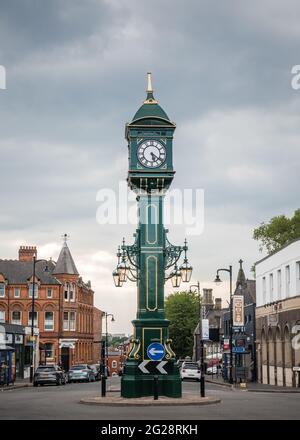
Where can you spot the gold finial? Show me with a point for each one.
(149, 82)
(150, 98)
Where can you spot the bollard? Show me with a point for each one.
(155, 387)
(202, 385)
(103, 385)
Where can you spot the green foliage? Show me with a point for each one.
(182, 309)
(115, 341)
(278, 232)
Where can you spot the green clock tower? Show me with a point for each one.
(146, 262)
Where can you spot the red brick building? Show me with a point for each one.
(97, 317)
(64, 305)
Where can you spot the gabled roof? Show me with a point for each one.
(19, 272)
(65, 263)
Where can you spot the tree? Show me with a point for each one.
(279, 231)
(182, 309)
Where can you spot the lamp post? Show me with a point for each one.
(104, 373)
(218, 281)
(202, 378)
(32, 314)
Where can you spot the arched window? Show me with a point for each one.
(278, 347)
(271, 347)
(264, 347)
(287, 348)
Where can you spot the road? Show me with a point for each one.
(53, 402)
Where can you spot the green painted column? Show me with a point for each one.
(149, 137)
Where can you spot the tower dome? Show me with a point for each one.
(150, 113)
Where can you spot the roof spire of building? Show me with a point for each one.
(241, 279)
(150, 98)
(65, 238)
(65, 263)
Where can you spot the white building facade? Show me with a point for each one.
(278, 316)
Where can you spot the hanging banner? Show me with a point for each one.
(205, 329)
(238, 310)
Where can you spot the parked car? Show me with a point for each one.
(215, 369)
(96, 370)
(81, 373)
(190, 370)
(49, 374)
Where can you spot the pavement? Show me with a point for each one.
(252, 386)
(63, 403)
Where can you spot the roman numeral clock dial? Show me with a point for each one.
(151, 154)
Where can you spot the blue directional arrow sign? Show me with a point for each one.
(155, 351)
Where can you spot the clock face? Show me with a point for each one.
(151, 154)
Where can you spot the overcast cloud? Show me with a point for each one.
(76, 73)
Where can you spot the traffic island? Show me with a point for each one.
(185, 400)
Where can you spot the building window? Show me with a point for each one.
(114, 364)
(66, 321)
(271, 287)
(2, 290)
(72, 321)
(49, 350)
(35, 319)
(287, 279)
(279, 284)
(17, 292)
(36, 290)
(49, 321)
(2, 316)
(298, 277)
(16, 317)
(49, 293)
(71, 295)
(264, 290)
(69, 321)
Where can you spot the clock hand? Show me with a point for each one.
(154, 157)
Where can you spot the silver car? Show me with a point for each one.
(81, 373)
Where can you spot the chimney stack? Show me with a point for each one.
(218, 303)
(26, 253)
(207, 297)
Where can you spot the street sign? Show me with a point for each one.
(296, 368)
(226, 344)
(238, 310)
(238, 350)
(153, 367)
(155, 351)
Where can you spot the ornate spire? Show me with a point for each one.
(65, 263)
(241, 279)
(150, 98)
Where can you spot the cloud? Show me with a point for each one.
(76, 74)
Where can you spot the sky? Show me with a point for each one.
(76, 73)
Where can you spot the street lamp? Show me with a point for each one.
(35, 261)
(218, 281)
(202, 378)
(185, 269)
(176, 277)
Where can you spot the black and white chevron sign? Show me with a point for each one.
(158, 366)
